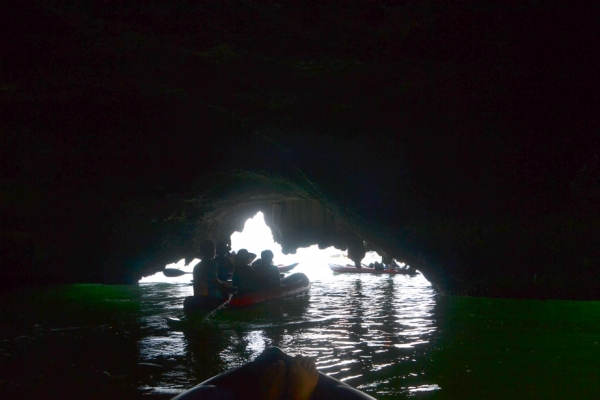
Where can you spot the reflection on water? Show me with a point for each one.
(390, 336)
(365, 330)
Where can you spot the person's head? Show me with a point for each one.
(266, 257)
(222, 249)
(242, 257)
(207, 249)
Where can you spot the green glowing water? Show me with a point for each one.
(392, 337)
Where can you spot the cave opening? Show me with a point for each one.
(257, 236)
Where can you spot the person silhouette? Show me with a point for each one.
(267, 274)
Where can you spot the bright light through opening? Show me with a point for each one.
(257, 237)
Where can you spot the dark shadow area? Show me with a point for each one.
(542, 349)
(70, 341)
(460, 138)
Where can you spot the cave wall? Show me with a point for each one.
(303, 223)
(460, 138)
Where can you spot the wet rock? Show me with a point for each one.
(440, 162)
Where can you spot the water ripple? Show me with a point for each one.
(358, 328)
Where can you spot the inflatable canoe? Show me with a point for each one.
(366, 270)
(243, 382)
(286, 268)
(291, 286)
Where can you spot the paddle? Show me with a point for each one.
(173, 272)
(218, 308)
(288, 266)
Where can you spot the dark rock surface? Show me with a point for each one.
(460, 138)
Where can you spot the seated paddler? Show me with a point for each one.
(267, 274)
(206, 281)
(224, 264)
(244, 277)
(356, 250)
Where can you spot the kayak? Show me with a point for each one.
(291, 286)
(243, 382)
(366, 270)
(294, 285)
(286, 268)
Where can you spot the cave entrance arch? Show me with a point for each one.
(297, 219)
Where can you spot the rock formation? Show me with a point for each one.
(459, 138)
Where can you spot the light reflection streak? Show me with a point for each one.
(256, 342)
(424, 388)
(381, 366)
(410, 345)
(350, 377)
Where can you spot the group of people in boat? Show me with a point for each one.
(387, 261)
(357, 252)
(392, 266)
(215, 275)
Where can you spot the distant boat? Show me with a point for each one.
(367, 270)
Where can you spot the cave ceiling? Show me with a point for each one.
(460, 137)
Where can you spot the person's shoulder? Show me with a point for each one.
(207, 263)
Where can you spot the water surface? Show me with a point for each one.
(390, 336)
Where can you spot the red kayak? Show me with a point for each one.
(367, 270)
(291, 286)
(286, 268)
